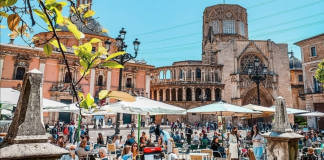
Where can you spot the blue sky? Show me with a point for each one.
(282, 21)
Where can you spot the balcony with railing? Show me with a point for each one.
(316, 90)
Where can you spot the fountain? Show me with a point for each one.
(282, 142)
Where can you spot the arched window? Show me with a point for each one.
(208, 94)
(198, 73)
(100, 80)
(215, 26)
(197, 94)
(181, 73)
(179, 94)
(188, 94)
(167, 96)
(173, 94)
(189, 73)
(218, 96)
(20, 73)
(67, 78)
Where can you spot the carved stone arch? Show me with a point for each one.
(212, 16)
(252, 48)
(21, 66)
(250, 96)
(232, 17)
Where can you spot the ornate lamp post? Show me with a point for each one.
(257, 74)
(122, 59)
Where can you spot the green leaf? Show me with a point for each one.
(58, 18)
(112, 64)
(47, 49)
(55, 43)
(7, 3)
(81, 95)
(103, 94)
(3, 14)
(104, 30)
(49, 2)
(74, 29)
(83, 64)
(89, 13)
(102, 50)
(87, 47)
(42, 15)
(89, 99)
(95, 40)
(114, 55)
(82, 72)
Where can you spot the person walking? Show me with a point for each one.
(257, 145)
(71, 130)
(233, 142)
(167, 121)
(188, 134)
(162, 121)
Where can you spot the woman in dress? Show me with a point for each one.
(233, 148)
(257, 145)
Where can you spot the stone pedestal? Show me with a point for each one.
(282, 143)
(26, 138)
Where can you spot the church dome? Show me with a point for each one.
(91, 23)
(295, 63)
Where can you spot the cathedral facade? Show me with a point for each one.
(222, 74)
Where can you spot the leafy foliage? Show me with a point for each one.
(320, 72)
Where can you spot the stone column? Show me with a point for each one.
(158, 94)
(170, 94)
(147, 85)
(92, 81)
(194, 76)
(213, 94)
(135, 77)
(108, 84)
(176, 94)
(193, 97)
(183, 93)
(164, 94)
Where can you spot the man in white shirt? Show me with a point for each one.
(162, 121)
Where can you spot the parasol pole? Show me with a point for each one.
(138, 129)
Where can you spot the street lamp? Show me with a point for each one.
(122, 59)
(257, 75)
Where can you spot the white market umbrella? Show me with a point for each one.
(221, 108)
(312, 114)
(293, 110)
(145, 106)
(5, 112)
(9, 98)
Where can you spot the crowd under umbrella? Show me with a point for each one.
(222, 109)
(9, 99)
(144, 106)
(312, 114)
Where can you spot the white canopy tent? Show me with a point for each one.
(9, 98)
(222, 109)
(312, 114)
(293, 110)
(145, 106)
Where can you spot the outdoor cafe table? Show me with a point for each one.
(203, 155)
